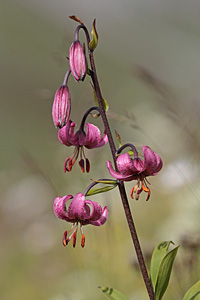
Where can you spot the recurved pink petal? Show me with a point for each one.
(159, 164)
(95, 210)
(102, 219)
(76, 209)
(125, 165)
(66, 133)
(103, 141)
(138, 164)
(117, 175)
(59, 207)
(93, 136)
(150, 161)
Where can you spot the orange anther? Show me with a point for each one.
(83, 240)
(131, 193)
(74, 239)
(65, 239)
(145, 188)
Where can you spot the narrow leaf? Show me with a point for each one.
(105, 103)
(164, 273)
(105, 181)
(118, 138)
(113, 294)
(100, 190)
(193, 293)
(93, 43)
(158, 254)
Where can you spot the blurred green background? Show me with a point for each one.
(148, 62)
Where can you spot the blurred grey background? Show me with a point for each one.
(148, 63)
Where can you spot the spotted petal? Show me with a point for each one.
(159, 164)
(59, 207)
(128, 166)
(152, 162)
(118, 175)
(95, 210)
(93, 137)
(66, 133)
(103, 140)
(102, 218)
(76, 208)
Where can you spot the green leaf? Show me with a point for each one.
(164, 273)
(113, 294)
(118, 137)
(93, 43)
(193, 293)
(158, 254)
(106, 181)
(100, 190)
(105, 103)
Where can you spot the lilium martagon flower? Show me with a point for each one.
(137, 169)
(91, 139)
(80, 211)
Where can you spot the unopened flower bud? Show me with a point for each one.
(77, 61)
(61, 106)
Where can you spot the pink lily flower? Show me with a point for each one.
(137, 168)
(91, 139)
(79, 211)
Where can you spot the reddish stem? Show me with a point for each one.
(121, 184)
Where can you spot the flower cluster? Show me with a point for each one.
(61, 114)
(77, 210)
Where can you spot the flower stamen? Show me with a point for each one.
(74, 239)
(135, 189)
(83, 240)
(87, 165)
(70, 161)
(81, 164)
(146, 189)
(65, 239)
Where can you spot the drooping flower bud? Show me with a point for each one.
(61, 106)
(77, 61)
